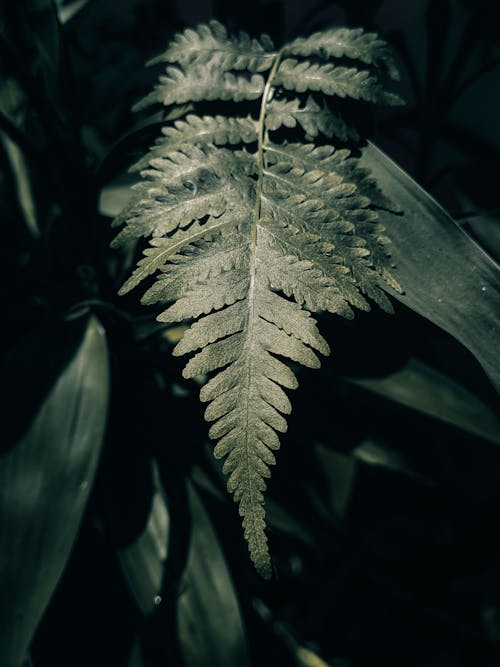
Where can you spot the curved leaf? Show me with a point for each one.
(45, 481)
(247, 242)
(485, 228)
(210, 43)
(448, 279)
(30, 374)
(68, 10)
(143, 562)
(210, 626)
(426, 390)
(355, 44)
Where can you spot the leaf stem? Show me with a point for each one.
(255, 533)
(261, 135)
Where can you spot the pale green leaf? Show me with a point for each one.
(248, 242)
(313, 118)
(331, 79)
(209, 43)
(197, 130)
(354, 43)
(202, 82)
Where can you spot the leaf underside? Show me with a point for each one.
(254, 221)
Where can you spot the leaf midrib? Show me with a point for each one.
(262, 136)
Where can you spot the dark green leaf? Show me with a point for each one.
(211, 629)
(66, 11)
(420, 387)
(30, 369)
(447, 278)
(136, 659)
(210, 626)
(33, 31)
(143, 561)
(45, 481)
(485, 228)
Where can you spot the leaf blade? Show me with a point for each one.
(448, 279)
(45, 482)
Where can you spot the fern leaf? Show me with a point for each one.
(331, 79)
(185, 186)
(210, 44)
(247, 242)
(198, 263)
(203, 130)
(202, 82)
(354, 43)
(313, 118)
(328, 159)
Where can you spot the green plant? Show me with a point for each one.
(118, 542)
(251, 232)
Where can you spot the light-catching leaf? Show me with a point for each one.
(45, 481)
(448, 278)
(353, 43)
(210, 624)
(143, 561)
(426, 390)
(209, 621)
(251, 229)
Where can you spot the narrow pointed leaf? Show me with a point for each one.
(210, 625)
(448, 278)
(45, 481)
(143, 561)
(424, 389)
(210, 43)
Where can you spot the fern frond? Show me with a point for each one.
(193, 129)
(313, 118)
(198, 263)
(185, 186)
(328, 159)
(202, 82)
(354, 43)
(250, 233)
(210, 44)
(331, 79)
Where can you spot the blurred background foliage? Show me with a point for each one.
(383, 510)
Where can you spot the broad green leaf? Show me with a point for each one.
(375, 453)
(447, 277)
(33, 33)
(422, 388)
(210, 625)
(136, 659)
(45, 481)
(340, 472)
(30, 368)
(143, 562)
(14, 105)
(485, 227)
